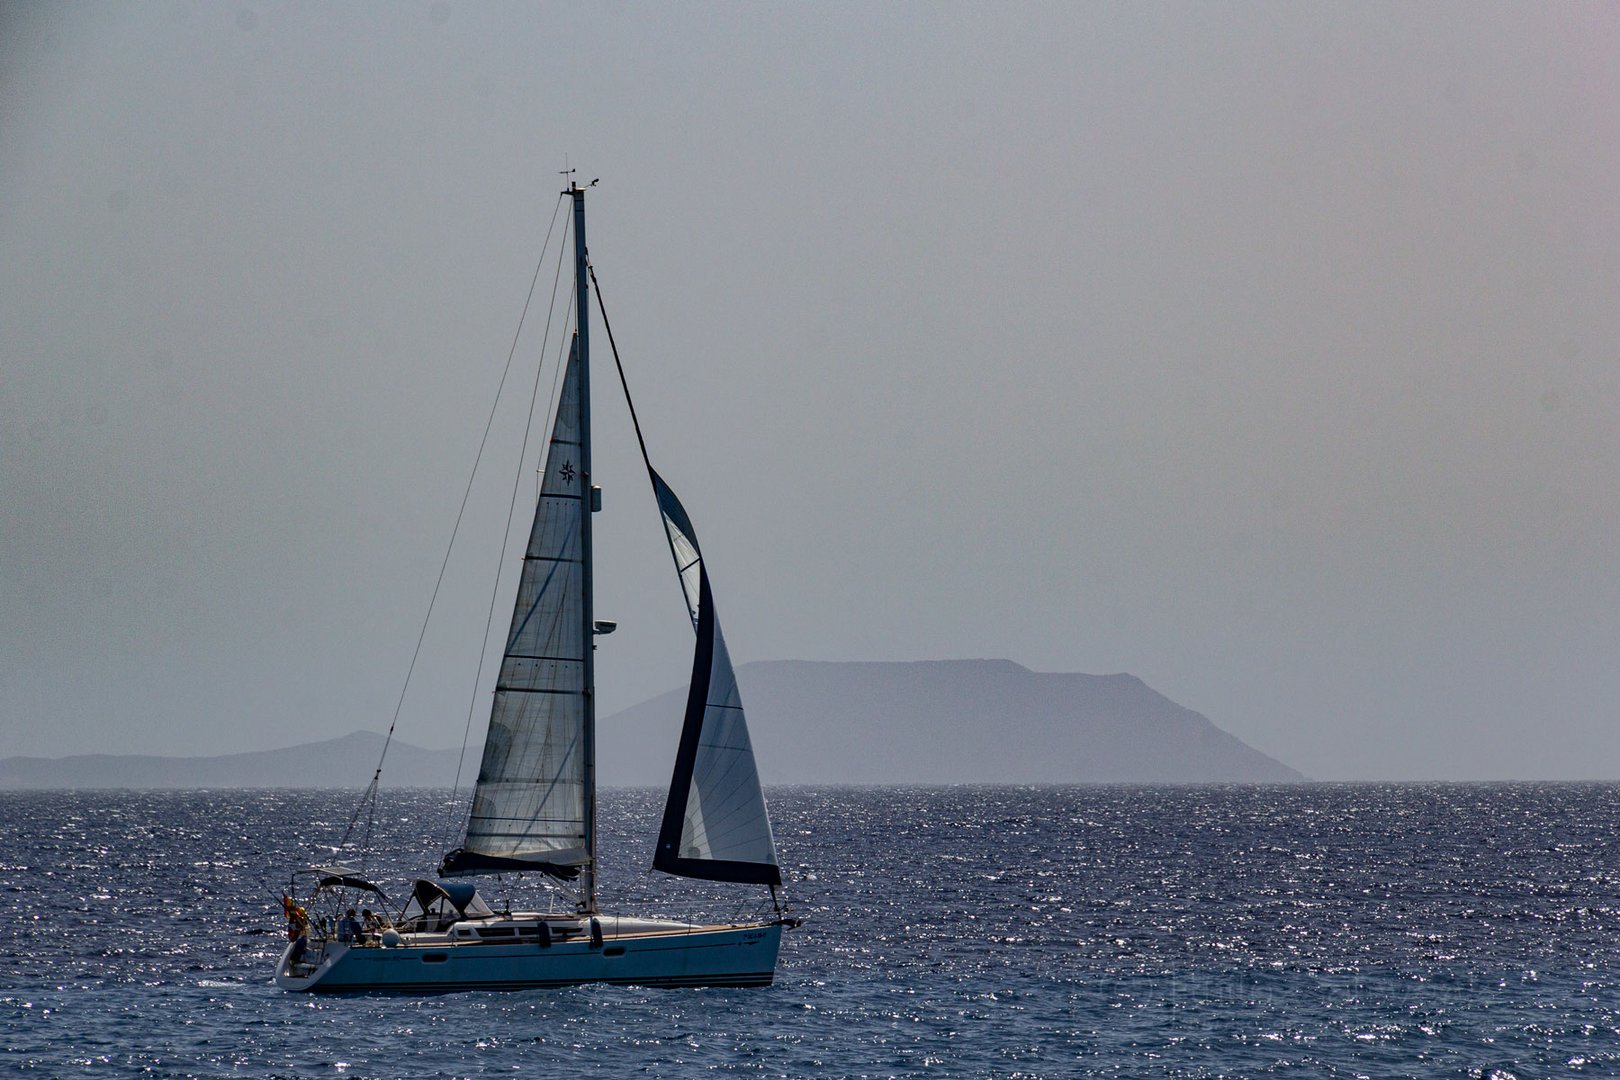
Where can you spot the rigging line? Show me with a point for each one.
(617, 363)
(368, 797)
(455, 530)
(506, 535)
(472, 703)
(564, 344)
(635, 421)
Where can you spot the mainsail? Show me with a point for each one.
(715, 825)
(530, 808)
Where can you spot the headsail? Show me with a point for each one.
(715, 824)
(530, 808)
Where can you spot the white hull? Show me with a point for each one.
(636, 952)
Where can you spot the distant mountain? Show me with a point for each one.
(345, 762)
(946, 721)
(929, 722)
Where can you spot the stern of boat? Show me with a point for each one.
(304, 964)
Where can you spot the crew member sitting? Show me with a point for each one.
(349, 928)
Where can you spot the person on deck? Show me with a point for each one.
(297, 918)
(349, 928)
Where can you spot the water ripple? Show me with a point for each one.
(1314, 930)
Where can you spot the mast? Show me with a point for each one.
(587, 878)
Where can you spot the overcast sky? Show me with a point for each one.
(1266, 352)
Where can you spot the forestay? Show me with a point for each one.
(529, 808)
(715, 824)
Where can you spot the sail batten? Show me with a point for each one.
(715, 824)
(529, 808)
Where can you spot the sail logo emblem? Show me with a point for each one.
(567, 472)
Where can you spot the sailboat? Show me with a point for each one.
(533, 809)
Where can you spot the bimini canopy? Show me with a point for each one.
(341, 877)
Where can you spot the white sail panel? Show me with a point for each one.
(682, 544)
(725, 817)
(529, 808)
(715, 822)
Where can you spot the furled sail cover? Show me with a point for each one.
(715, 825)
(528, 810)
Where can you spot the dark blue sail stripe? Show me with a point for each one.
(667, 852)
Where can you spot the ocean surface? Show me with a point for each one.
(1312, 931)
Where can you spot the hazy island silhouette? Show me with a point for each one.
(813, 722)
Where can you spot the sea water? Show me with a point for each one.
(1310, 930)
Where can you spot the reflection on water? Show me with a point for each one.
(1171, 931)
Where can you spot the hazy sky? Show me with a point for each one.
(1270, 353)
